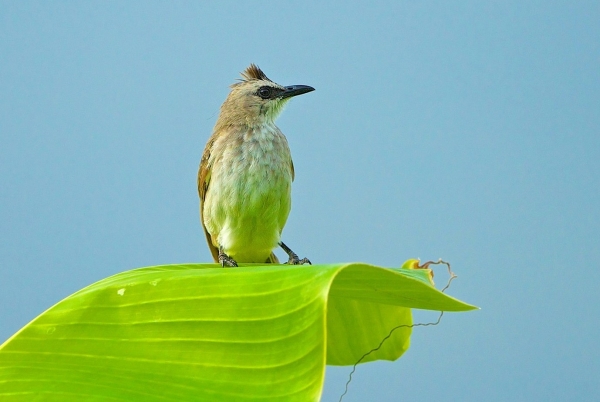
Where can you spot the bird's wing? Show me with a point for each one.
(203, 182)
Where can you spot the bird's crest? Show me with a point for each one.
(254, 73)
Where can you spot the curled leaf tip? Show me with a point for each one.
(414, 263)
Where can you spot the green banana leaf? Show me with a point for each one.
(198, 332)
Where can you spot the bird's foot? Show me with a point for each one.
(293, 257)
(295, 260)
(226, 261)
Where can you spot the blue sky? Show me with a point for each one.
(463, 130)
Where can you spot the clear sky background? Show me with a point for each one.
(463, 130)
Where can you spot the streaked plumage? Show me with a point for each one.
(246, 173)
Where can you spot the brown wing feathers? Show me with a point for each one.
(203, 181)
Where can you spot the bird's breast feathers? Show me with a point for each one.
(249, 194)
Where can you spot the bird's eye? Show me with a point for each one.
(264, 92)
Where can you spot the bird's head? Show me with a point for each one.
(256, 100)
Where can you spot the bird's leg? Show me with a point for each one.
(225, 260)
(293, 257)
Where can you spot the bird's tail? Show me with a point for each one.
(272, 259)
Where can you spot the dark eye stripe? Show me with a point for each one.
(267, 92)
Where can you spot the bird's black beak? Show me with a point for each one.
(294, 90)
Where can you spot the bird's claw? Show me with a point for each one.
(226, 261)
(294, 260)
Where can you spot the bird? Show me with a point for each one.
(246, 173)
